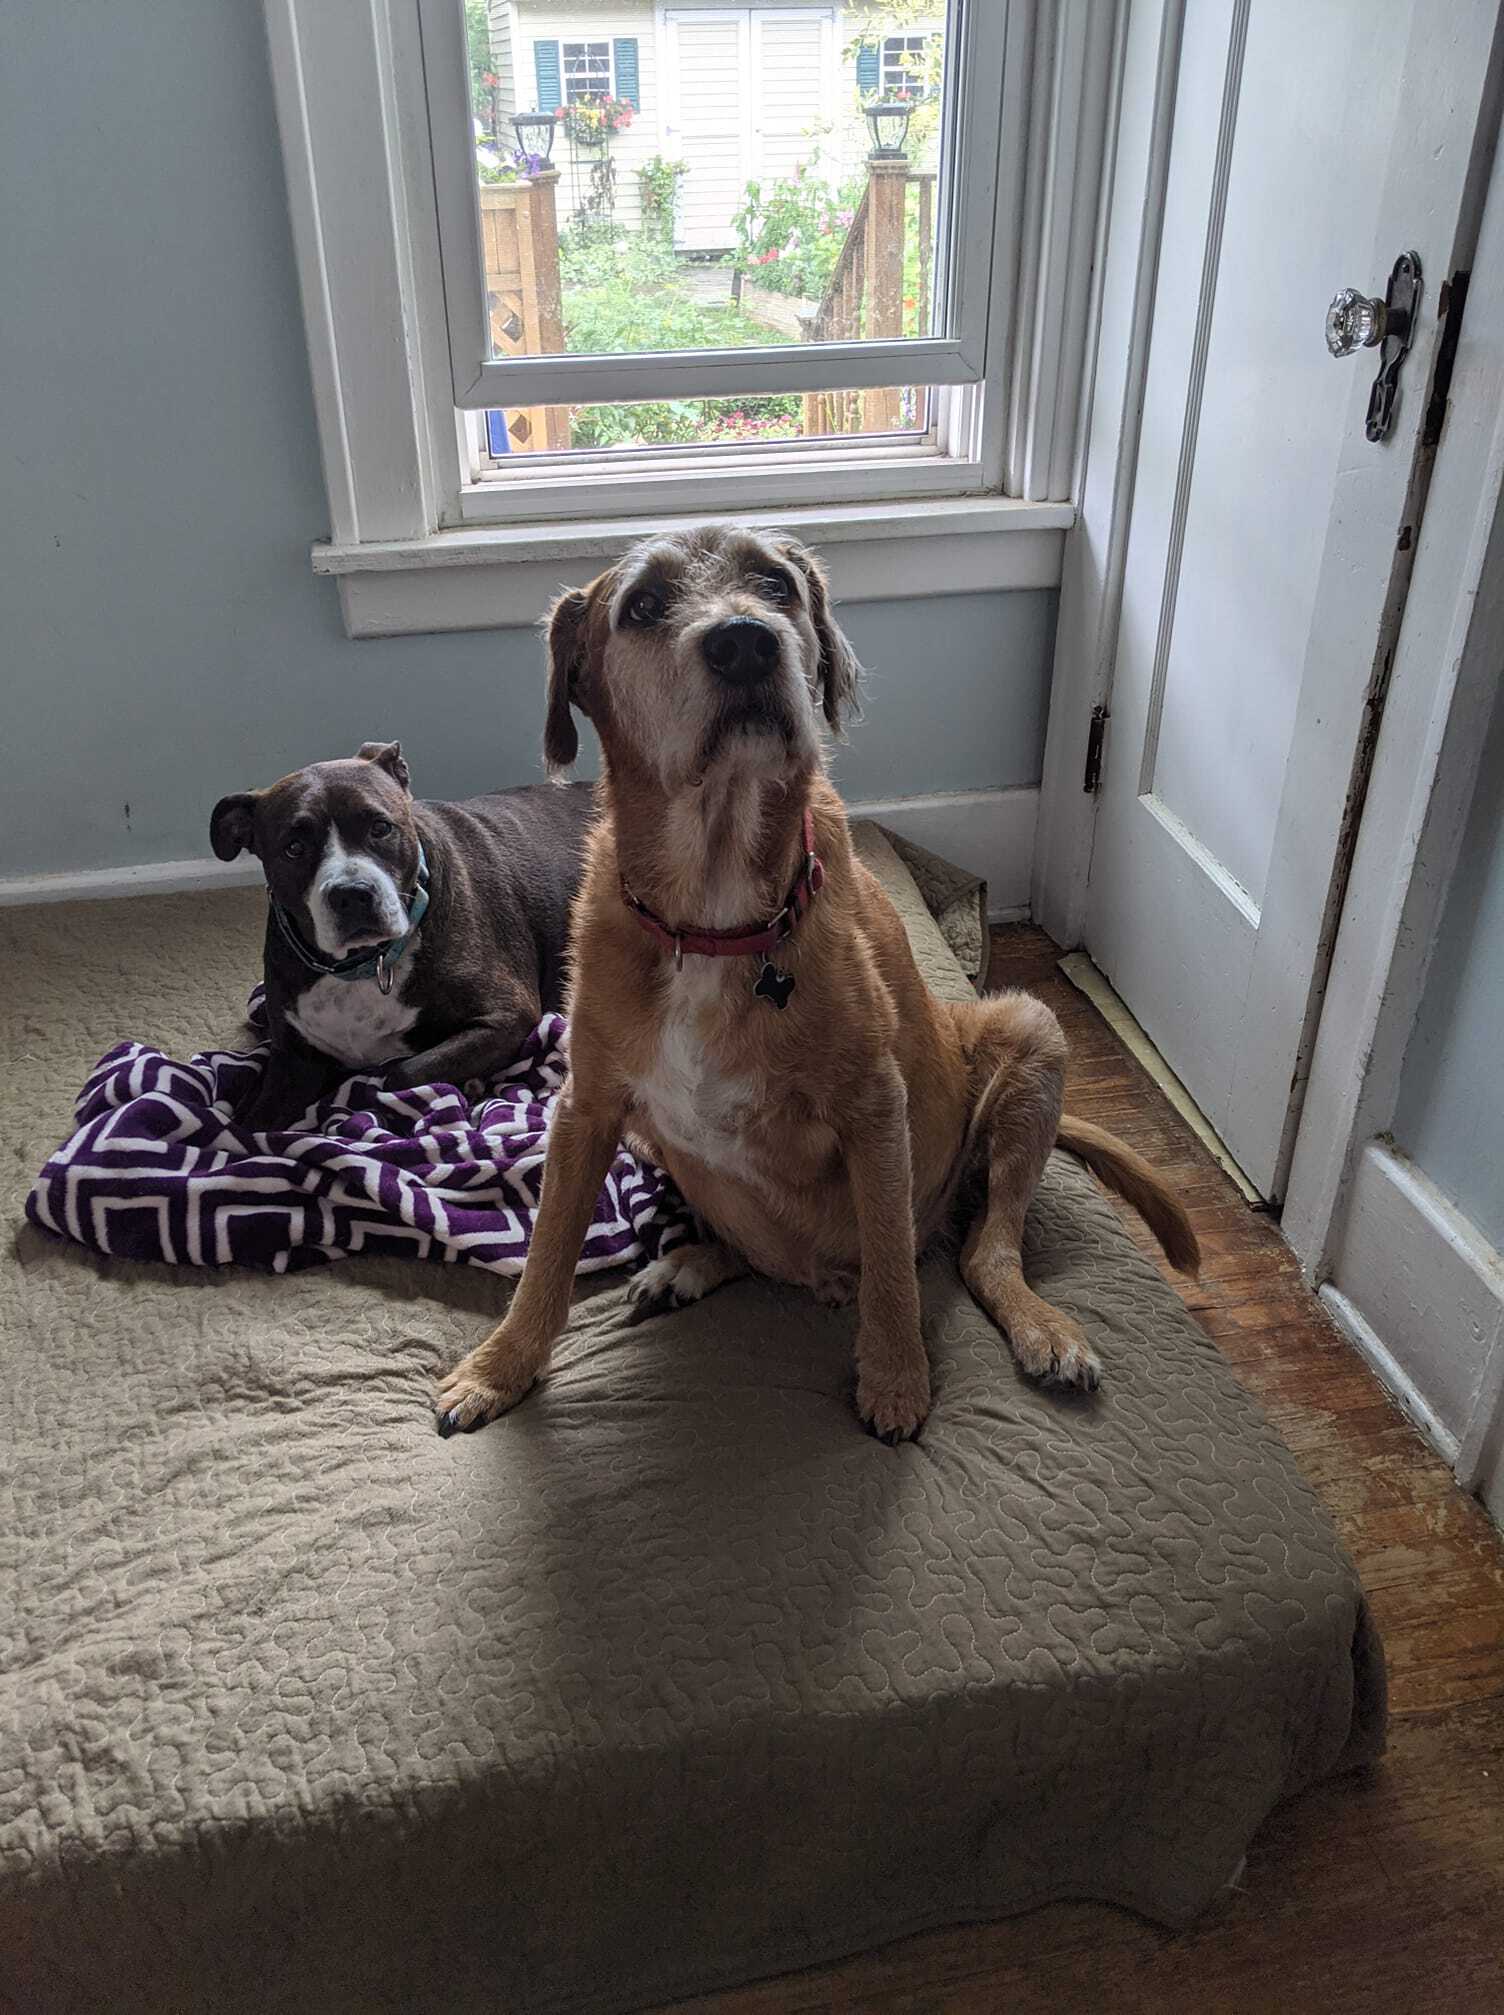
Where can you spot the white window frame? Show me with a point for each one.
(885, 63)
(418, 542)
(967, 305)
(587, 42)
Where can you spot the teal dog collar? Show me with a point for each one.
(361, 965)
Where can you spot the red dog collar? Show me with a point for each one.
(761, 938)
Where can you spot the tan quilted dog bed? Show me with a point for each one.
(671, 1678)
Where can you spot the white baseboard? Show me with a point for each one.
(1420, 1291)
(989, 833)
(156, 878)
(1390, 1372)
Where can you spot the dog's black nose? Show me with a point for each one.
(352, 902)
(741, 650)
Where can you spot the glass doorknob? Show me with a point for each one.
(1355, 321)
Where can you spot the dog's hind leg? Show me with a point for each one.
(1017, 1119)
(686, 1274)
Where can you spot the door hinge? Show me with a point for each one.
(1096, 734)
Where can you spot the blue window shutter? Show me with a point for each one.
(550, 76)
(624, 50)
(868, 70)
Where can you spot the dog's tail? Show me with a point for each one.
(1114, 1163)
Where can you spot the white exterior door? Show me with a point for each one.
(748, 90)
(708, 119)
(793, 78)
(1266, 565)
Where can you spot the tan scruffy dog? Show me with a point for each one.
(746, 1006)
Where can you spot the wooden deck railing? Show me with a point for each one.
(864, 298)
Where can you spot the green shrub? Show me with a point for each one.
(679, 422)
(789, 235)
(658, 182)
(625, 291)
(622, 293)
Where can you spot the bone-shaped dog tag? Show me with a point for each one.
(773, 985)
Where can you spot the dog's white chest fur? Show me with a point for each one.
(689, 1101)
(353, 1020)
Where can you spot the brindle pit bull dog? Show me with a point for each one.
(428, 937)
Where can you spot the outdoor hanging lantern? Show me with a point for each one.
(890, 128)
(535, 133)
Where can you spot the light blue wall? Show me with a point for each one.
(163, 639)
(1451, 1110)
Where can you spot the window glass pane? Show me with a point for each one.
(587, 71)
(708, 176)
(892, 413)
(910, 64)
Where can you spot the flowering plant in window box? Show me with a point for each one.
(590, 122)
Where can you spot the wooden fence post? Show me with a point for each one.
(520, 247)
(887, 187)
(545, 236)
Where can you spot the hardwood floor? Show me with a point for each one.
(1384, 1892)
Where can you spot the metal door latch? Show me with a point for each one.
(1357, 321)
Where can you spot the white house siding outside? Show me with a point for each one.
(746, 97)
(503, 63)
(580, 21)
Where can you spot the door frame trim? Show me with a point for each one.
(1096, 550)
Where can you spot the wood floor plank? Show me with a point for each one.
(1381, 1893)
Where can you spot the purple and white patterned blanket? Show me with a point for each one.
(158, 1168)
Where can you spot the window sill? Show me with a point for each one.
(497, 577)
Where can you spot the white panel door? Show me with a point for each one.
(1312, 145)
(793, 72)
(750, 96)
(708, 120)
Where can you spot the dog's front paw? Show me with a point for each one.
(895, 1403)
(476, 1391)
(1051, 1347)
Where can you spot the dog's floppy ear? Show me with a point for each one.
(388, 756)
(565, 623)
(838, 669)
(232, 825)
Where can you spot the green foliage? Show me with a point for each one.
(622, 292)
(507, 173)
(482, 74)
(789, 235)
(658, 180)
(583, 244)
(625, 292)
(670, 423)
